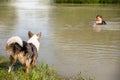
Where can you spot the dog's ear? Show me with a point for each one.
(39, 34)
(30, 34)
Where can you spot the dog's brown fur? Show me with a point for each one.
(26, 53)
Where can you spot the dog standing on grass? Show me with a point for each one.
(25, 52)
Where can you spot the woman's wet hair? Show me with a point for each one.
(99, 16)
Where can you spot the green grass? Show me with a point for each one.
(41, 72)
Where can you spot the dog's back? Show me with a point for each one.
(25, 52)
(30, 52)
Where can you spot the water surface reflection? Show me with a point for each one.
(69, 44)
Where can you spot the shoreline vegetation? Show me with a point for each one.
(41, 72)
(87, 1)
(78, 1)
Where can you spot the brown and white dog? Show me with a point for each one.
(25, 52)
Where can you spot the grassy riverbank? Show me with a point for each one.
(42, 72)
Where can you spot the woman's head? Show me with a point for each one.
(99, 16)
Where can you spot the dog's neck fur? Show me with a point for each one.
(34, 41)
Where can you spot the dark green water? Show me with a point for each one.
(69, 44)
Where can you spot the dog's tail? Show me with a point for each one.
(14, 45)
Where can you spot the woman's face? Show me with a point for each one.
(99, 18)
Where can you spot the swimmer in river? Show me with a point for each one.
(99, 20)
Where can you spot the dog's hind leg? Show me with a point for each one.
(12, 61)
(34, 58)
(34, 61)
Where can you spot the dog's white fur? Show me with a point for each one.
(18, 40)
(14, 39)
(34, 41)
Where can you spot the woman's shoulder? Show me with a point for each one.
(104, 22)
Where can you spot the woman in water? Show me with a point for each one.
(99, 20)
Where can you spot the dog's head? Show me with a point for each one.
(34, 39)
(37, 36)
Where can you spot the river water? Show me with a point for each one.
(68, 44)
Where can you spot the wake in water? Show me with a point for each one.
(108, 26)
